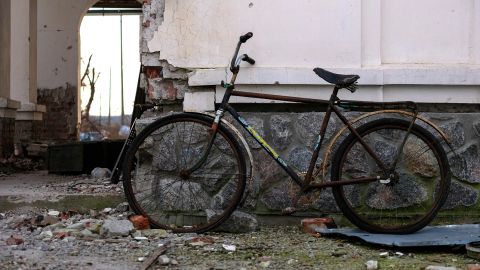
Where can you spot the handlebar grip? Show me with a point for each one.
(249, 60)
(246, 37)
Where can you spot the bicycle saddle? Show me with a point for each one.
(340, 81)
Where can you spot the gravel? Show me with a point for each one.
(75, 243)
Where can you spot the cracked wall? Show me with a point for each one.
(163, 82)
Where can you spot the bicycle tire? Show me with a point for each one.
(155, 183)
(412, 198)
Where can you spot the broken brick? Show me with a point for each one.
(201, 241)
(140, 222)
(153, 72)
(14, 240)
(309, 225)
(61, 235)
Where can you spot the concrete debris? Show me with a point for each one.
(47, 234)
(122, 207)
(53, 213)
(437, 267)
(372, 265)
(265, 261)
(265, 264)
(155, 233)
(47, 220)
(164, 260)
(292, 261)
(116, 228)
(384, 254)
(229, 247)
(101, 173)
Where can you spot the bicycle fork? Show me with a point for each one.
(213, 132)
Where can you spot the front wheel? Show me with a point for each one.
(166, 179)
(410, 196)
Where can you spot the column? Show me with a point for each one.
(23, 76)
(8, 106)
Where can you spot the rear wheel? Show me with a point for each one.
(158, 185)
(403, 201)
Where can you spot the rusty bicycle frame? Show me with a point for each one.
(407, 108)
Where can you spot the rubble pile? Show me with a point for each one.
(17, 164)
(115, 238)
(70, 233)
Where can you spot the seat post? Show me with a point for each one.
(334, 97)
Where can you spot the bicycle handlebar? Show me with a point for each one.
(248, 59)
(234, 67)
(246, 37)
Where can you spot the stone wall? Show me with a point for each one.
(7, 131)
(294, 134)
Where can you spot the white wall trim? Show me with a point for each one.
(467, 75)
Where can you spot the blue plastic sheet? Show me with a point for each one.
(448, 235)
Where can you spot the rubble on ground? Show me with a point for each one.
(115, 238)
(105, 239)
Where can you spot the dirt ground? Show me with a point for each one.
(35, 237)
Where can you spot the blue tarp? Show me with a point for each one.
(448, 235)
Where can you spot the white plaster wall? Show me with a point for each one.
(58, 41)
(5, 49)
(304, 33)
(427, 31)
(396, 42)
(20, 51)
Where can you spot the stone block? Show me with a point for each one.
(455, 132)
(460, 195)
(465, 166)
(278, 197)
(116, 228)
(281, 131)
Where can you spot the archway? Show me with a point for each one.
(109, 66)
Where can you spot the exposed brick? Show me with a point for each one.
(169, 90)
(60, 120)
(7, 133)
(153, 72)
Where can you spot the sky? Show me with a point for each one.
(100, 36)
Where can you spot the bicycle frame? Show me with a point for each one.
(332, 105)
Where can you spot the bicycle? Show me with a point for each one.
(187, 172)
